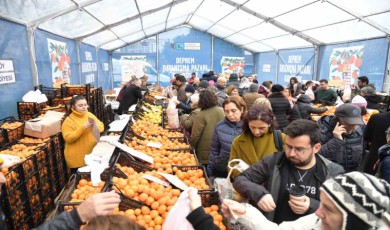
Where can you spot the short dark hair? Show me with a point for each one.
(113, 221)
(238, 101)
(76, 98)
(207, 99)
(308, 83)
(324, 81)
(363, 79)
(267, 84)
(302, 127)
(261, 113)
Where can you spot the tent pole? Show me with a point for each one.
(276, 67)
(31, 46)
(78, 59)
(111, 74)
(386, 82)
(212, 52)
(315, 68)
(98, 72)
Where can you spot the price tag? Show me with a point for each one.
(132, 119)
(155, 109)
(154, 144)
(135, 153)
(174, 180)
(145, 109)
(155, 179)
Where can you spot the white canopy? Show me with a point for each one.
(254, 25)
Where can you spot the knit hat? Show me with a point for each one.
(277, 88)
(204, 84)
(254, 88)
(349, 114)
(363, 199)
(359, 101)
(190, 89)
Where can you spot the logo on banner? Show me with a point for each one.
(60, 62)
(345, 65)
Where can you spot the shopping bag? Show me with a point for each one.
(176, 219)
(173, 115)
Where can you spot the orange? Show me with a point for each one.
(147, 219)
(158, 220)
(145, 210)
(214, 207)
(155, 205)
(154, 213)
(142, 197)
(162, 209)
(137, 211)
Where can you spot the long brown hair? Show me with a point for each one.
(261, 113)
(239, 102)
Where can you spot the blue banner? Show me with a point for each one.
(13, 46)
(265, 66)
(105, 80)
(183, 51)
(297, 63)
(344, 63)
(88, 64)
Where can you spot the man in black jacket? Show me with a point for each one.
(269, 182)
(131, 96)
(342, 137)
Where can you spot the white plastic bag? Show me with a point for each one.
(347, 93)
(173, 114)
(176, 219)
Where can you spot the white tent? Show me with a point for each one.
(254, 25)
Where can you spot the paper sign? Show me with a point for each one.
(155, 179)
(154, 144)
(159, 97)
(118, 125)
(145, 109)
(155, 109)
(174, 180)
(103, 148)
(132, 108)
(109, 139)
(135, 153)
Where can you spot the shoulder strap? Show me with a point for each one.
(278, 140)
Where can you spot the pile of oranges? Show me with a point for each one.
(192, 178)
(148, 130)
(213, 211)
(11, 125)
(84, 189)
(20, 150)
(164, 141)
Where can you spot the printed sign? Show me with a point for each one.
(232, 65)
(7, 74)
(266, 68)
(60, 62)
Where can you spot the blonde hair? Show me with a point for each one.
(263, 101)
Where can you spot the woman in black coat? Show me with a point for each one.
(305, 108)
(280, 105)
(131, 96)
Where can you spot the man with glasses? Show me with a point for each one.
(269, 182)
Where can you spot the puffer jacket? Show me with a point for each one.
(384, 158)
(305, 108)
(347, 152)
(281, 108)
(224, 133)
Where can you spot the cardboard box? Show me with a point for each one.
(44, 127)
(111, 92)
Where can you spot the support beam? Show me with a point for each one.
(275, 23)
(131, 19)
(62, 12)
(31, 47)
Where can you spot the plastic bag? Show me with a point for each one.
(173, 114)
(176, 219)
(347, 93)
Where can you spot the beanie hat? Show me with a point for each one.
(254, 88)
(349, 114)
(359, 101)
(204, 84)
(277, 88)
(190, 89)
(363, 199)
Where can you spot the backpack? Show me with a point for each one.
(278, 140)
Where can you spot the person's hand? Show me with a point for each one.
(339, 130)
(87, 125)
(229, 206)
(195, 201)
(176, 101)
(299, 206)
(353, 86)
(99, 204)
(266, 203)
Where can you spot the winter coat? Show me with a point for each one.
(250, 98)
(181, 94)
(305, 108)
(244, 149)
(224, 133)
(188, 120)
(131, 95)
(209, 77)
(203, 130)
(372, 102)
(374, 134)
(233, 80)
(78, 140)
(295, 89)
(64, 221)
(184, 108)
(264, 178)
(281, 108)
(384, 158)
(263, 90)
(347, 152)
(200, 220)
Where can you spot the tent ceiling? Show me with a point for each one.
(254, 25)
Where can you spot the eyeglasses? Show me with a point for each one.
(298, 150)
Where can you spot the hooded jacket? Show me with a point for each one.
(305, 108)
(384, 158)
(264, 178)
(281, 108)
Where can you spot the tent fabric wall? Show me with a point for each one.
(105, 79)
(265, 66)
(373, 60)
(297, 63)
(13, 46)
(88, 62)
(44, 62)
